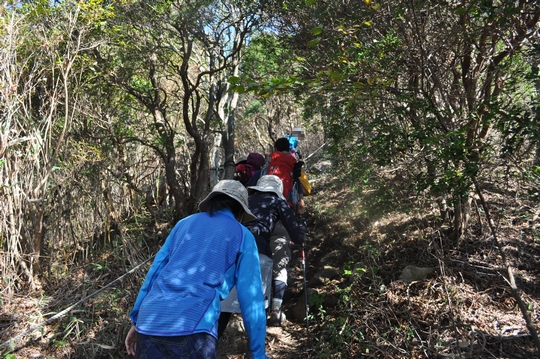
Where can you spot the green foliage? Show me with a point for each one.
(349, 269)
(264, 57)
(432, 112)
(317, 301)
(267, 67)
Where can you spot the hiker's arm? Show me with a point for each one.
(250, 295)
(161, 259)
(131, 341)
(296, 227)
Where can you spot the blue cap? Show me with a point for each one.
(293, 142)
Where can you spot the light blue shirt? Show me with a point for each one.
(203, 258)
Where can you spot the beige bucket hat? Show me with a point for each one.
(233, 189)
(270, 183)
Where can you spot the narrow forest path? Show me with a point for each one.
(286, 342)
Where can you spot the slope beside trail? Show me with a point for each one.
(463, 308)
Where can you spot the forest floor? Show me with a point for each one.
(463, 308)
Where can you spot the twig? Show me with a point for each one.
(344, 325)
(68, 309)
(317, 150)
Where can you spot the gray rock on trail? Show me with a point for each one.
(320, 167)
(323, 276)
(412, 273)
(235, 336)
(298, 312)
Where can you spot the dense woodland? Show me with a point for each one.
(118, 117)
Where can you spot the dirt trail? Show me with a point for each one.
(286, 342)
(281, 342)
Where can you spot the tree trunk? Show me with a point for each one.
(175, 190)
(215, 160)
(462, 214)
(228, 145)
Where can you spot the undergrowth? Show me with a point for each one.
(463, 308)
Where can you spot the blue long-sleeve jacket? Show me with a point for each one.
(202, 259)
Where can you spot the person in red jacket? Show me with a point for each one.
(282, 164)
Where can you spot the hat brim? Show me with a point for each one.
(203, 206)
(267, 189)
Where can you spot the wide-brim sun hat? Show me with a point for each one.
(233, 189)
(270, 183)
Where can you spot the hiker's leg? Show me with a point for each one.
(222, 323)
(279, 292)
(281, 255)
(281, 252)
(301, 206)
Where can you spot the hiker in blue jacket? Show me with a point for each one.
(277, 223)
(176, 312)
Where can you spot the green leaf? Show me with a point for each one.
(314, 42)
(335, 75)
(234, 80)
(461, 11)
(239, 89)
(310, 2)
(316, 31)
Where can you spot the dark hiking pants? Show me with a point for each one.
(195, 346)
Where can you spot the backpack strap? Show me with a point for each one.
(265, 168)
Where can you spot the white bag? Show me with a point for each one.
(231, 304)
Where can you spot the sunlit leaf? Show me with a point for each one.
(239, 89)
(336, 76)
(316, 31)
(233, 80)
(314, 42)
(461, 11)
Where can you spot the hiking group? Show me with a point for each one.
(178, 312)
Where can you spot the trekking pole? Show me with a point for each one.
(305, 294)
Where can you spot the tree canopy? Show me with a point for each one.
(117, 117)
